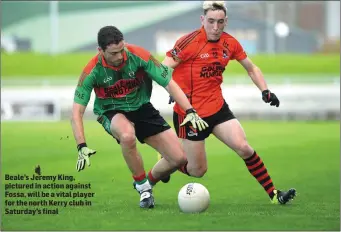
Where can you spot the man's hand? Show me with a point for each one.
(194, 119)
(269, 97)
(84, 154)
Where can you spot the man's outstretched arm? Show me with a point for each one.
(257, 77)
(254, 73)
(77, 122)
(78, 131)
(81, 99)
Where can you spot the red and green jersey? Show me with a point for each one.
(126, 87)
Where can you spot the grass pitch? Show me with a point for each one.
(304, 155)
(64, 66)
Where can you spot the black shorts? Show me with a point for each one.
(188, 132)
(147, 121)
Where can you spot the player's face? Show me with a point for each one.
(114, 54)
(214, 23)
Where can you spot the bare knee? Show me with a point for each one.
(244, 150)
(128, 139)
(179, 160)
(198, 171)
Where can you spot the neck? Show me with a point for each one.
(213, 41)
(107, 62)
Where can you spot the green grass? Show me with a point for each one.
(28, 65)
(304, 155)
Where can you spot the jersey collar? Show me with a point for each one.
(104, 63)
(203, 33)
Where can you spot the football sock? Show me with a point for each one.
(152, 179)
(183, 169)
(257, 168)
(140, 179)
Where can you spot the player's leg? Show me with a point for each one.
(232, 134)
(193, 142)
(165, 179)
(195, 151)
(167, 144)
(151, 128)
(196, 164)
(123, 130)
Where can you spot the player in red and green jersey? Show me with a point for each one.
(121, 76)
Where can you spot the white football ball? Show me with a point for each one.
(193, 198)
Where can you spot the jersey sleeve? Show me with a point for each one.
(84, 88)
(238, 51)
(184, 48)
(158, 72)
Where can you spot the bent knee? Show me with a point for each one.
(128, 139)
(198, 171)
(179, 161)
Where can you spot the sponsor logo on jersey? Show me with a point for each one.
(225, 54)
(212, 70)
(131, 73)
(79, 95)
(122, 87)
(109, 78)
(175, 54)
(164, 73)
(204, 56)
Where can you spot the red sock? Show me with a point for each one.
(257, 168)
(140, 179)
(183, 169)
(152, 179)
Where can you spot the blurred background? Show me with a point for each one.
(45, 45)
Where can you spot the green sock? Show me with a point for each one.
(141, 182)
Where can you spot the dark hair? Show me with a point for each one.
(108, 35)
(216, 6)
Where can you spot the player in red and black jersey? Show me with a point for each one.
(199, 60)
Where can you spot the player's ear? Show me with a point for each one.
(100, 50)
(202, 18)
